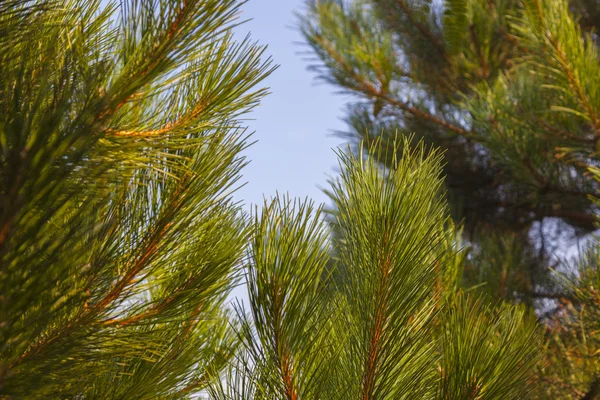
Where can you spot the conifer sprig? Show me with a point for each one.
(120, 145)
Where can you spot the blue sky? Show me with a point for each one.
(294, 124)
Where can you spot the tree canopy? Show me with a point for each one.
(121, 135)
(509, 90)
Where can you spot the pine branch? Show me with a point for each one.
(562, 133)
(577, 87)
(89, 314)
(372, 91)
(155, 56)
(381, 310)
(119, 252)
(426, 32)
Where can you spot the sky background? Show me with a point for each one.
(293, 125)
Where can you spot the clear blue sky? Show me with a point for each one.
(294, 124)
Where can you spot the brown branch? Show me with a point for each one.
(156, 309)
(373, 354)
(5, 229)
(197, 110)
(422, 114)
(562, 133)
(587, 220)
(90, 312)
(376, 335)
(370, 90)
(290, 389)
(515, 42)
(584, 218)
(190, 324)
(130, 276)
(576, 85)
(173, 29)
(175, 350)
(12, 194)
(282, 355)
(475, 392)
(150, 249)
(285, 362)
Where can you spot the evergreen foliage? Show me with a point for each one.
(385, 318)
(119, 240)
(509, 90)
(120, 145)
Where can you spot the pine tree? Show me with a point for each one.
(119, 239)
(384, 319)
(120, 146)
(509, 89)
